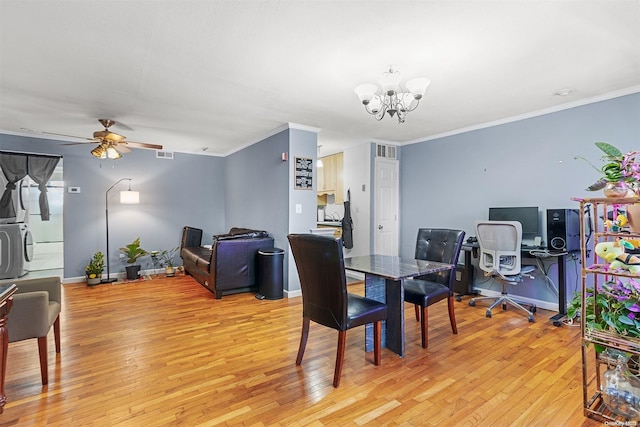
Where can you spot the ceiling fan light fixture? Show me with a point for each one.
(99, 152)
(112, 153)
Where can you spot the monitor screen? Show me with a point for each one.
(527, 216)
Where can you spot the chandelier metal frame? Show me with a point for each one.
(392, 99)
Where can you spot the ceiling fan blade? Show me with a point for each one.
(82, 143)
(142, 145)
(69, 136)
(122, 149)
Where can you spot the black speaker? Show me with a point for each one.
(563, 230)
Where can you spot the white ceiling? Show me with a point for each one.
(219, 75)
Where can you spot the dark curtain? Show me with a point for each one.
(40, 170)
(14, 167)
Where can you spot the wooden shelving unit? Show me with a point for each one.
(595, 364)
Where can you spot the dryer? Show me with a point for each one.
(16, 250)
(20, 197)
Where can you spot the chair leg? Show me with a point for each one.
(303, 339)
(342, 338)
(377, 341)
(424, 326)
(44, 364)
(56, 333)
(417, 307)
(452, 315)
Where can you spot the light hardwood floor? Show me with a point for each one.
(166, 352)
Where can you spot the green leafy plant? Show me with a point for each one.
(615, 308)
(133, 251)
(617, 166)
(165, 257)
(95, 266)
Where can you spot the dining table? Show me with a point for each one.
(384, 276)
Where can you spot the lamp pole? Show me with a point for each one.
(106, 204)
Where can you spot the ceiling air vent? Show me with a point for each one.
(164, 155)
(386, 151)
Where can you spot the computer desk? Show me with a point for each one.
(471, 250)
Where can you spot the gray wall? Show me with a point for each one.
(450, 182)
(261, 193)
(173, 193)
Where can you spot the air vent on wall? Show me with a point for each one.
(164, 155)
(386, 151)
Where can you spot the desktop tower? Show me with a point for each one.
(563, 230)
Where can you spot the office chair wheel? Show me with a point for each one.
(458, 298)
(488, 314)
(533, 309)
(531, 319)
(472, 303)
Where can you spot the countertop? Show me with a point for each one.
(330, 223)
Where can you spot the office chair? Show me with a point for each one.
(325, 299)
(36, 308)
(500, 258)
(441, 245)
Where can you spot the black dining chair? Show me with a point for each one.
(325, 299)
(441, 245)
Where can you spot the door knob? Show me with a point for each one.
(380, 227)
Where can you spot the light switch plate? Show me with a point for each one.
(298, 208)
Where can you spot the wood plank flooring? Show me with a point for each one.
(166, 352)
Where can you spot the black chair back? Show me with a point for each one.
(320, 264)
(440, 245)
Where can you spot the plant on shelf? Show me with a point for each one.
(94, 269)
(133, 252)
(621, 172)
(618, 308)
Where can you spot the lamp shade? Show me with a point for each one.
(130, 197)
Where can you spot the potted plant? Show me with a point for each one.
(164, 259)
(94, 269)
(614, 308)
(621, 172)
(133, 252)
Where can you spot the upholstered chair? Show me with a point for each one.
(441, 245)
(325, 299)
(36, 307)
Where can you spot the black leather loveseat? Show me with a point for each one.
(229, 266)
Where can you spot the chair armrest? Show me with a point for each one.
(48, 284)
(29, 316)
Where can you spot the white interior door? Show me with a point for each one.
(386, 207)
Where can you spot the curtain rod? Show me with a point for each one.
(31, 154)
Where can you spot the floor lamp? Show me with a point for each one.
(126, 197)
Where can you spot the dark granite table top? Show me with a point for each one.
(393, 267)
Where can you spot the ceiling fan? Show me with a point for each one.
(111, 145)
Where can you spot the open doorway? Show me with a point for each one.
(47, 236)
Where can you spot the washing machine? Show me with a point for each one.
(16, 250)
(20, 197)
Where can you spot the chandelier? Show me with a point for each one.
(392, 99)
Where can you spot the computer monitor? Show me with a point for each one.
(527, 216)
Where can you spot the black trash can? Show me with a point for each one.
(270, 273)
